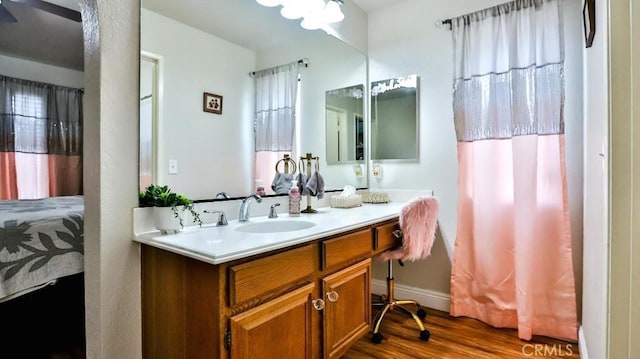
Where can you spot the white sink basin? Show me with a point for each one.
(275, 226)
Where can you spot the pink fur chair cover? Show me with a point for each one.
(418, 222)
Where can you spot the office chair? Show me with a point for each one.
(418, 223)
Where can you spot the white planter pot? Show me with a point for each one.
(165, 220)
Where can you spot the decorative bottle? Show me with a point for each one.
(260, 187)
(294, 200)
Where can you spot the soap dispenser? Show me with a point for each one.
(294, 199)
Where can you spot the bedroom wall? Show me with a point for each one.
(404, 40)
(36, 71)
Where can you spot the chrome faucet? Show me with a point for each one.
(272, 211)
(222, 218)
(244, 207)
(222, 195)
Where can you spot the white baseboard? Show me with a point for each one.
(582, 344)
(426, 298)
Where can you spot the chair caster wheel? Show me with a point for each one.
(421, 313)
(376, 338)
(424, 335)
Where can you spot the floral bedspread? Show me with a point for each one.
(40, 240)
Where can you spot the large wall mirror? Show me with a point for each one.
(345, 136)
(190, 48)
(394, 119)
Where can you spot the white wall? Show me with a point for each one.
(623, 322)
(404, 40)
(36, 71)
(214, 152)
(596, 199)
(112, 259)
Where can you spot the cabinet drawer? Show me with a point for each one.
(253, 279)
(345, 248)
(384, 239)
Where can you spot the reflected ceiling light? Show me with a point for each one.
(293, 9)
(311, 24)
(315, 13)
(332, 12)
(269, 3)
(410, 81)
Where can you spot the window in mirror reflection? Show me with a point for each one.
(148, 113)
(394, 119)
(345, 125)
(276, 124)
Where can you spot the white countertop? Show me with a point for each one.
(217, 245)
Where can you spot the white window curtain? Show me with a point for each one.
(275, 119)
(512, 263)
(276, 93)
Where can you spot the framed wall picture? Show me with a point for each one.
(212, 103)
(589, 21)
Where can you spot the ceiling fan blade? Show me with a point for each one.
(53, 9)
(5, 15)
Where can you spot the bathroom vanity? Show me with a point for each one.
(228, 293)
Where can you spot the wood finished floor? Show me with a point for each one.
(455, 338)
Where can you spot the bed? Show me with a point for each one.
(40, 241)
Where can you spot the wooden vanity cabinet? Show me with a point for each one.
(310, 301)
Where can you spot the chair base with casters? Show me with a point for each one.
(390, 303)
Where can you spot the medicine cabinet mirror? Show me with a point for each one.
(394, 119)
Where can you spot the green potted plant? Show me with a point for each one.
(169, 208)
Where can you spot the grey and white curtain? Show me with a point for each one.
(508, 71)
(40, 139)
(276, 93)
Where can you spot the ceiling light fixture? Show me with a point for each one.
(314, 13)
(269, 3)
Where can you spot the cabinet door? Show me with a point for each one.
(347, 314)
(280, 328)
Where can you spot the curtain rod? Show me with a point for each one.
(304, 61)
(440, 23)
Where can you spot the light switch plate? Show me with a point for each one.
(173, 167)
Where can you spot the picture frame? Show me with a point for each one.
(212, 103)
(589, 21)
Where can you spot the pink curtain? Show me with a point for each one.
(513, 265)
(8, 184)
(32, 175)
(65, 175)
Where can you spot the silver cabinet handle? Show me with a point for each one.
(318, 304)
(332, 296)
